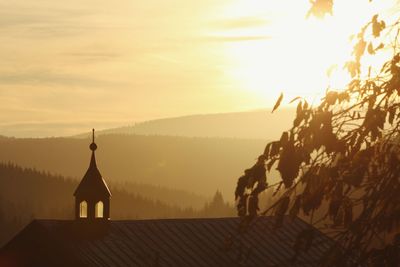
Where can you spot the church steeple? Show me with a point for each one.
(92, 196)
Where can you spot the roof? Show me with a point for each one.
(167, 242)
(92, 183)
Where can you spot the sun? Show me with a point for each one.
(294, 55)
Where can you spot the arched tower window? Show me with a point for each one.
(99, 209)
(83, 209)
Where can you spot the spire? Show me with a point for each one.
(92, 182)
(93, 147)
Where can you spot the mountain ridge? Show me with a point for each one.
(254, 124)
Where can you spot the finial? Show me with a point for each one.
(93, 145)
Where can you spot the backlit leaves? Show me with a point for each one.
(340, 160)
(353, 67)
(371, 49)
(278, 103)
(359, 49)
(289, 163)
(320, 8)
(377, 26)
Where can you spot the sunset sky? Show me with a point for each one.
(68, 66)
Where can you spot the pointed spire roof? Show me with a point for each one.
(92, 184)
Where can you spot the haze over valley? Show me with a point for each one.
(198, 165)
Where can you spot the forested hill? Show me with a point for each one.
(260, 124)
(199, 165)
(26, 194)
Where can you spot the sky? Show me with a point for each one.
(69, 66)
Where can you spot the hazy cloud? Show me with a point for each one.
(237, 29)
(235, 38)
(36, 21)
(55, 128)
(237, 23)
(92, 57)
(46, 77)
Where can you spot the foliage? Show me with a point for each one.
(340, 162)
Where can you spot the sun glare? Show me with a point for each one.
(295, 55)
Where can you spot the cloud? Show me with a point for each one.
(47, 77)
(92, 57)
(41, 22)
(237, 30)
(238, 23)
(236, 38)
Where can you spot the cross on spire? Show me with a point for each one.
(93, 145)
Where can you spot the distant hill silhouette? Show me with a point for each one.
(180, 198)
(199, 165)
(260, 124)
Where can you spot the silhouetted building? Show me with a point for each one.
(92, 239)
(92, 197)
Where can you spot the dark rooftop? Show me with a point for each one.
(168, 242)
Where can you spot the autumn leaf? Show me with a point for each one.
(294, 99)
(377, 26)
(371, 50)
(289, 163)
(320, 8)
(278, 103)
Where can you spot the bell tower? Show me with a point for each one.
(92, 196)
